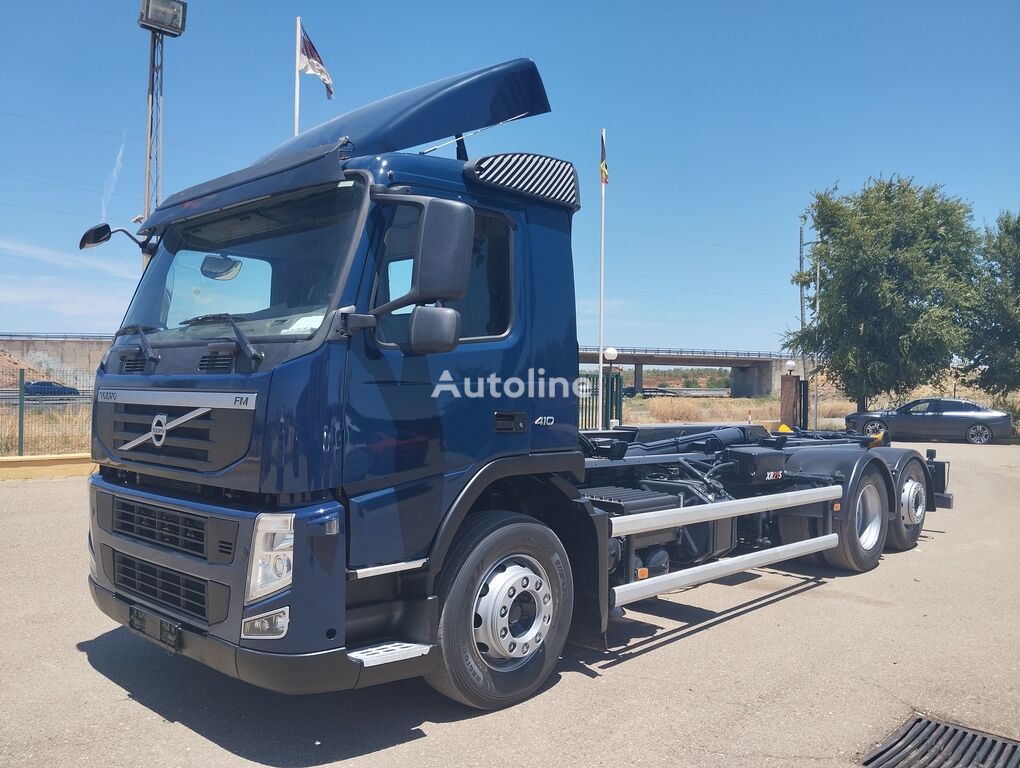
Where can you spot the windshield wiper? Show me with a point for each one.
(225, 317)
(134, 328)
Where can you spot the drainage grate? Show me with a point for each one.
(923, 741)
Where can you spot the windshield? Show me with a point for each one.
(272, 266)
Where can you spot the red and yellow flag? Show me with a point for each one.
(603, 168)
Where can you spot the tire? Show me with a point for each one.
(978, 434)
(862, 532)
(523, 567)
(874, 426)
(793, 528)
(908, 507)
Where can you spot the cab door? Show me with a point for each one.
(419, 426)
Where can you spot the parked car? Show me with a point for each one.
(936, 417)
(50, 388)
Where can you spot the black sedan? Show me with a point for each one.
(936, 417)
(50, 389)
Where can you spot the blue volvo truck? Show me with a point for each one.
(337, 432)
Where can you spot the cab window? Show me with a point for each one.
(487, 307)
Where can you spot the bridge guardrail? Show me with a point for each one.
(675, 352)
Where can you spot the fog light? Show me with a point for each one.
(267, 626)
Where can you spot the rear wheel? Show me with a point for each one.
(979, 434)
(506, 599)
(864, 526)
(910, 502)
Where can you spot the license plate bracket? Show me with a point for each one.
(166, 634)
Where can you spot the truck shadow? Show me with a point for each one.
(630, 637)
(262, 726)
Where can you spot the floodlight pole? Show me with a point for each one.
(154, 126)
(153, 130)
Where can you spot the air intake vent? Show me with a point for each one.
(546, 178)
(216, 362)
(134, 364)
(226, 548)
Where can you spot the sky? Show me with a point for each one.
(722, 118)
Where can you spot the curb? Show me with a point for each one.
(49, 466)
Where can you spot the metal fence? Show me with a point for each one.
(612, 403)
(45, 411)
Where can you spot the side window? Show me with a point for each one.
(487, 307)
(924, 406)
(396, 263)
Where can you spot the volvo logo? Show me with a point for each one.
(160, 426)
(159, 429)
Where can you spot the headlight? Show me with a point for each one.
(271, 566)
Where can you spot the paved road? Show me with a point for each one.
(799, 667)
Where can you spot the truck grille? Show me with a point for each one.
(166, 587)
(177, 530)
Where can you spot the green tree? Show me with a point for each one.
(995, 328)
(897, 264)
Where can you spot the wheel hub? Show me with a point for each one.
(912, 502)
(513, 611)
(869, 516)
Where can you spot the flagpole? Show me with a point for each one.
(602, 290)
(297, 73)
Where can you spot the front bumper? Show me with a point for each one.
(331, 670)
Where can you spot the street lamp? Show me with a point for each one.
(611, 354)
(160, 17)
(790, 366)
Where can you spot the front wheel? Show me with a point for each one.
(874, 427)
(506, 598)
(864, 526)
(979, 434)
(911, 500)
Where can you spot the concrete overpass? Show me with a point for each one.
(752, 374)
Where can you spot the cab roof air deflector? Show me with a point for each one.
(443, 109)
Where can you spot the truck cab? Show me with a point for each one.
(337, 430)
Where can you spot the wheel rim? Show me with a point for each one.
(869, 516)
(912, 501)
(873, 427)
(514, 609)
(979, 434)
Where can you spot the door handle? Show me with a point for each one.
(509, 421)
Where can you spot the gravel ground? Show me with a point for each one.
(778, 667)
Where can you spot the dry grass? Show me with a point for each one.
(58, 428)
(694, 409)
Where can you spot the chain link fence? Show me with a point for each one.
(45, 411)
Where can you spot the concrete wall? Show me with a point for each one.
(80, 353)
(760, 380)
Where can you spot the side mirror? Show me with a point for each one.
(433, 329)
(442, 256)
(94, 236)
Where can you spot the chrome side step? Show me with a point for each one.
(388, 652)
(642, 522)
(699, 574)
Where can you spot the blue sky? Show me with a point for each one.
(722, 118)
